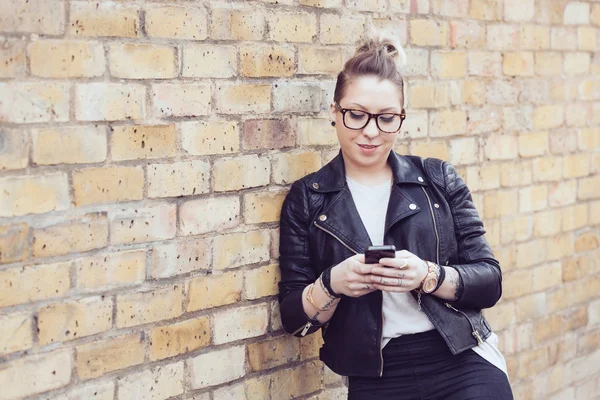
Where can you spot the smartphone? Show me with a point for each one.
(376, 253)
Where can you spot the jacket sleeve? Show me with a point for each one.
(295, 263)
(479, 271)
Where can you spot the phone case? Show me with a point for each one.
(376, 253)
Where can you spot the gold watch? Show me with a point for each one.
(430, 281)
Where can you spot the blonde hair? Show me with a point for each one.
(380, 54)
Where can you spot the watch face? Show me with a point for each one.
(429, 285)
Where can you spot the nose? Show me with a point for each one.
(371, 129)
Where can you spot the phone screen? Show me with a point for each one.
(376, 253)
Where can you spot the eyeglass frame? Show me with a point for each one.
(376, 116)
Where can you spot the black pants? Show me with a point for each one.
(421, 367)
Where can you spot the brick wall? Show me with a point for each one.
(146, 147)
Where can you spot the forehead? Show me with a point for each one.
(373, 93)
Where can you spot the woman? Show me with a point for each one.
(407, 327)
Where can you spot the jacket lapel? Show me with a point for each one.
(401, 205)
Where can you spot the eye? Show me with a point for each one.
(387, 118)
(357, 115)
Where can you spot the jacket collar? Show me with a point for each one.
(332, 177)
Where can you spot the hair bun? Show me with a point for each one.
(385, 42)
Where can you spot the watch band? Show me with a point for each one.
(441, 277)
(326, 278)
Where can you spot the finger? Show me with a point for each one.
(363, 269)
(359, 257)
(360, 286)
(404, 254)
(394, 273)
(388, 288)
(400, 263)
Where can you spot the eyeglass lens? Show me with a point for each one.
(356, 119)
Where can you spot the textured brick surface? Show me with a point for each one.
(146, 148)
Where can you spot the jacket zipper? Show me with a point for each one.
(437, 236)
(475, 333)
(381, 336)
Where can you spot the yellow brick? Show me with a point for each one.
(16, 148)
(111, 270)
(240, 323)
(589, 89)
(273, 353)
(576, 166)
(101, 357)
(577, 64)
(485, 63)
(548, 116)
(516, 174)
(107, 185)
(269, 61)
(464, 151)
(577, 13)
(292, 27)
(499, 203)
(71, 236)
(483, 177)
(133, 142)
(29, 102)
(13, 54)
(210, 137)
(547, 169)
(176, 22)
(14, 242)
(261, 282)
(142, 308)
(559, 247)
(238, 249)
(501, 315)
(338, 29)
(595, 213)
(518, 64)
(209, 61)
(489, 10)
(533, 198)
(574, 217)
(180, 338)
(160, 382)
(531, 307)
(34, 283)
(563, 38)
(586, 241)
(502, 37)
(288, 167)
(437, 149)
(501, 147)
(320, 60)
(263, 207)
(269, 133)
(104, 19)
(142, 61)
(109, 101)
(36, 374)
(547, 223)
(180, 258)
(577, 114)
(238, 24)
(575, 268)
(214, 291)
(79, 144)
(467, 34)
(548, 64)
(534, 37)
(67, 321)
(316, 132)
(256, 388)
(588, 188)
(530, 253)
(209, 214)
(37, 16)
(517, 283)
(428, 32)
(516, 229)
(547, 276)
(425, 94)
(587, 38)
(181, 99)
(28, 194)
(296, 97)
(322, 3)
(147, 224)
(474, 92)
(533, 144)
(66, 59)
(240, 173)
(367, 5)
(217, 367)
(449, 65)
(243, 98)
(16, 332)
(297, 382)
(448, 123)
(178, 179)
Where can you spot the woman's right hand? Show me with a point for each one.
(351, 277)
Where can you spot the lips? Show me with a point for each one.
(368, 146)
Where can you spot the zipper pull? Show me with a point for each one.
(478, 337)
(450, 307)
(306, 328)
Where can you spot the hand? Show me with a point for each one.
(352, 277)
(401, 274)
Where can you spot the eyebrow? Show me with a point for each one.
(385, 109)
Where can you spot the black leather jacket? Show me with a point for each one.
(320, 227)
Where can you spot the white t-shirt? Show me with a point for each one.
(401, 314)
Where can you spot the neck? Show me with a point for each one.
(371, 175)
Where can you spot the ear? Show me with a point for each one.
(332, 112)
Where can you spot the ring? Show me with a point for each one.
(367, 286)
(399, 282)
(405, 264)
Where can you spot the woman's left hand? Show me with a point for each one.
(401, 274)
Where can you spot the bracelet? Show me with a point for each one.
(325, 289)
(441, 277)
(309, 297)
(326, 276)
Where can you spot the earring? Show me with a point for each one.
(332, 123)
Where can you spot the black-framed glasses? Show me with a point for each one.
(358, 119)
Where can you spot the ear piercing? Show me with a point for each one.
(332, 123)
